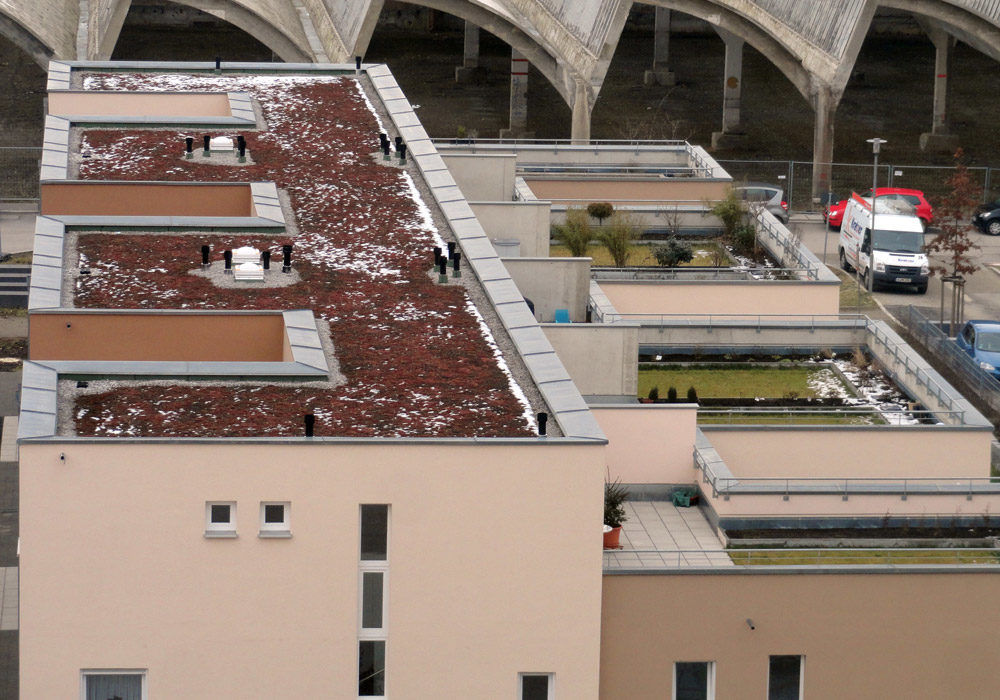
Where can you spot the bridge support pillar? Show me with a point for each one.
(824, 105)
(467, 72)
(518, 128)
(581, 114)
(939, 140)
(732, 135)
(661, 73)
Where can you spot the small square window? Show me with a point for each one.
(274, 519)
(99, 685)
(220, 519)
(536, 686)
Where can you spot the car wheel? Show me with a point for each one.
(866, 280)
(922, 288)
(993, 227)
(844, 265)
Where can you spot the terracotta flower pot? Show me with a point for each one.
(612, 537)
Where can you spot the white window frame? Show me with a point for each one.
(141, 672)
(802, 673)
(550, 691)
(373, 634)
(276, 530)
(710, 695)
(214, 530)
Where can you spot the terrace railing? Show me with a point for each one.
(727, 274)
(761, 560)
(929, 335)
(726, 485)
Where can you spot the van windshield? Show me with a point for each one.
(899, 241)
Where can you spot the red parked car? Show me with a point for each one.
(834, 215)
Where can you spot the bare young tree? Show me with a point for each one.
(953, 215)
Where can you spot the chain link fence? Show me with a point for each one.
(19, 167)
(796, 178)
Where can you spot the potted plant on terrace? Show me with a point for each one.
(614, 512)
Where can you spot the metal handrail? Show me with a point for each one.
(843, 486)
(731, 274)
(754, 558)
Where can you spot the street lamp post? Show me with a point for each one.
(876, 145)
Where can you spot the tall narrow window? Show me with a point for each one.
(536, 686)
(784, 679)
(373, 575)
(694, 680)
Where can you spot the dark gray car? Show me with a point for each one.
(771, 196)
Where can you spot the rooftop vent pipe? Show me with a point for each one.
(402, 153)
(310, 420)
(456, 262)
(443, 271)
(286, 250)
(357, 64)
(218, 64)
(241, 145)
(265, 259)
(437, 255)
(451, 249)
(207, 152)
(205, 250)
(228, 255)
(189, 147)
(399, 142)
(385, 150)
(543, 418)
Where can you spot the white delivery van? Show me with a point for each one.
(893, 255)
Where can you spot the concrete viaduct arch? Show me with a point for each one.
(289, 49)
(16, 33)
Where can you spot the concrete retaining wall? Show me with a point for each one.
(525, 222)
(553, 283)
(483, 177)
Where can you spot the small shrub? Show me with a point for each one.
(615, 496)
(575, 233)
(745, 238)
(673, 253)
(618, 235)
(654, 393)
(600, 210)
(692, 395)
(672, 395)
(730, 211)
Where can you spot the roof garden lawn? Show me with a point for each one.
(417, 356)
(739, 381)
(706, 254)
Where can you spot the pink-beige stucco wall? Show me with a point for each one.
(494, 567)
(909, 452)
(137, 104)
(187, 337)
(756, 298)
(890, 635)
(145, 199)
(650, 444)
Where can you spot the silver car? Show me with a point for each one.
(771, 196)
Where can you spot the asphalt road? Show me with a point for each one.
(982, 289)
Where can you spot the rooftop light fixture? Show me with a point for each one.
(189, 147)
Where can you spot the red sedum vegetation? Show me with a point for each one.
(415, 355)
